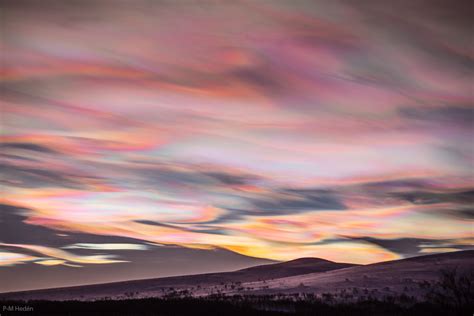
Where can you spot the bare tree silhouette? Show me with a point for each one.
(454, 289)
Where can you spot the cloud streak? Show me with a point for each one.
(268, 129)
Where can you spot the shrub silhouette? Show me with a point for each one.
(247, 305)
(454, 289)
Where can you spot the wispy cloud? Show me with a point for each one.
(106, 246)
(258, 127)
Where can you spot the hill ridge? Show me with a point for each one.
(285, 277)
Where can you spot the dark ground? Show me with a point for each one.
(247, 306)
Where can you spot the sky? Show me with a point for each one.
(136, 131)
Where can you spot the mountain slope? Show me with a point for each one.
(203, 281)
(294, 267)
(307, 275)
(406, 276)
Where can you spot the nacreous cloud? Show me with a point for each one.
(272, 129)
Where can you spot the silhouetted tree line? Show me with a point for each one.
(454, 290)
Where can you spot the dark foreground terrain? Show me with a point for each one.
(248, 306)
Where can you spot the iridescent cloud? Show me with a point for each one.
(272, 129)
